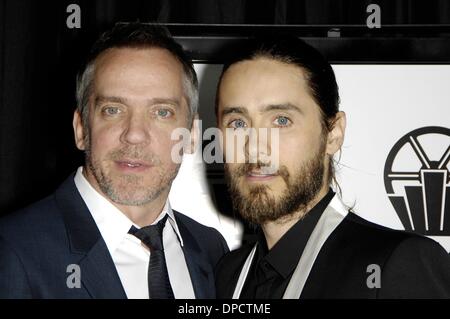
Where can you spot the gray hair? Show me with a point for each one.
(138, 36)
(85, 82)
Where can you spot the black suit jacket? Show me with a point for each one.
(38, 243)
(412, 266)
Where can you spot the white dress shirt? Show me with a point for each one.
(130, 257)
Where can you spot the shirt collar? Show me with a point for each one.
(285, 254)
(111, 222)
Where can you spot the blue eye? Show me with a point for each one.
(238, 124)
(282, 121)
(111, 110)
(164, 113)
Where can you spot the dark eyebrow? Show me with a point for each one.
(282, 107)
(238, 110)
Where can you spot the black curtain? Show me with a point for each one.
(39, 57)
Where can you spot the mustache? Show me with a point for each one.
(133, 153)
(245, 169)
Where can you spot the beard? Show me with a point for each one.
(258, 205)
(130, 189)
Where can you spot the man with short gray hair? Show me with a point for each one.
(109, 231)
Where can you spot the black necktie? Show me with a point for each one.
(158, 277)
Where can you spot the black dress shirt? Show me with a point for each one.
(271, 270)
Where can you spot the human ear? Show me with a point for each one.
(78, 130)
(335, 137)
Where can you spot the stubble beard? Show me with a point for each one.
(129, 189)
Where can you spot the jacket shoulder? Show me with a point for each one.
(38, 218)
(356, 226)
(209, 239)
(199, 230)
(409, 263)
(418, 267)
(371, 242)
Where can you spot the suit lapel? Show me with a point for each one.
(199, 269)
(99, 275)
(331, 218)
(98, 272)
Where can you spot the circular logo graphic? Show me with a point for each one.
(417, 180)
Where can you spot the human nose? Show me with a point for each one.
(136, 130)
(258, 145)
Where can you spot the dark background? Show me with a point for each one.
(39, 57)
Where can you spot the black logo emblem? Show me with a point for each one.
(419, 189)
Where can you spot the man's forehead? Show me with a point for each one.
(135, 68)
(268, 83)
(153, 56)
(265, 65)
(243, 93)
